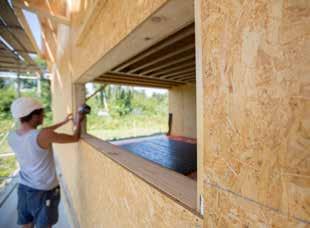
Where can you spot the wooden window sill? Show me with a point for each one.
(176, 186)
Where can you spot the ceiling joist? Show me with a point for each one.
(170, 62)
(15, 43)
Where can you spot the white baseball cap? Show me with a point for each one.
(23, 106)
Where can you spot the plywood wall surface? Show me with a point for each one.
(256, 78)
(114, 22)
(103, 193)
(110, 196)
(182, 104)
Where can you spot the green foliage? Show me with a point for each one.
(41, 63)
(2, 83)
(130, 113)
(121, 101)
(7, 95)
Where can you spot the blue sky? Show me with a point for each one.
(35, 27)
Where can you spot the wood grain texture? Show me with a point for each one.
(116, 21)
(103, 193)
(256, 78)
(135, 203)
(175, 185)
(182, 105)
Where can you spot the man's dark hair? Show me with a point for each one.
(29, 116)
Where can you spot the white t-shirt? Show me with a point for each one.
(37, 165)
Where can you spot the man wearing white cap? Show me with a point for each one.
(38, 190)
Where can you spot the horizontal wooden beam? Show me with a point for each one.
(19, 51)
(131, 83)
(187, 32)
(161, 66)
(173, 69)
(136, 82)
(41, 9)
(138, 40)
(12, 53)
(8, 58)
(14, 27)
(141, 76)
(11, 37)
(139, 79)
(168, 76)
(189, 78)
(181, 77)
(171, 54)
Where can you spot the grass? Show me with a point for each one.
(112, 128)
(7, 164)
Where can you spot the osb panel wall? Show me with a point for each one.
(103, 193)
(62, 103)
(256, 72)
(182, 105)
(110, 196)
(115, 21)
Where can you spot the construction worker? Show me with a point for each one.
(38, 190)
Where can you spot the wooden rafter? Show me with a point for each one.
(48, 39)
(132, 83)
(132, 76)
(167, 76)
(187, 32)
(44, 9)
(174, 53)
(15, 44)
(21, 17)
(170, 61)
(174, 69)
(161, 66)
(139, 78)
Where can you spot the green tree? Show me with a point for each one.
(7, 95)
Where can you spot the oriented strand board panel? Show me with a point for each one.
(229, 210)
(110, 196)
(182, 105)
(114, 22)
(256, 78)
(103, 193)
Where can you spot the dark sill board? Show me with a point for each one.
(176, 155)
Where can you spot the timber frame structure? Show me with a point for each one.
(16, 42)
(246, 66)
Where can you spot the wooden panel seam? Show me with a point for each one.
(259, 204)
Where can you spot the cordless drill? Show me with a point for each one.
(84, 109)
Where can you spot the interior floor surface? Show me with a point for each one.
(177, 155)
